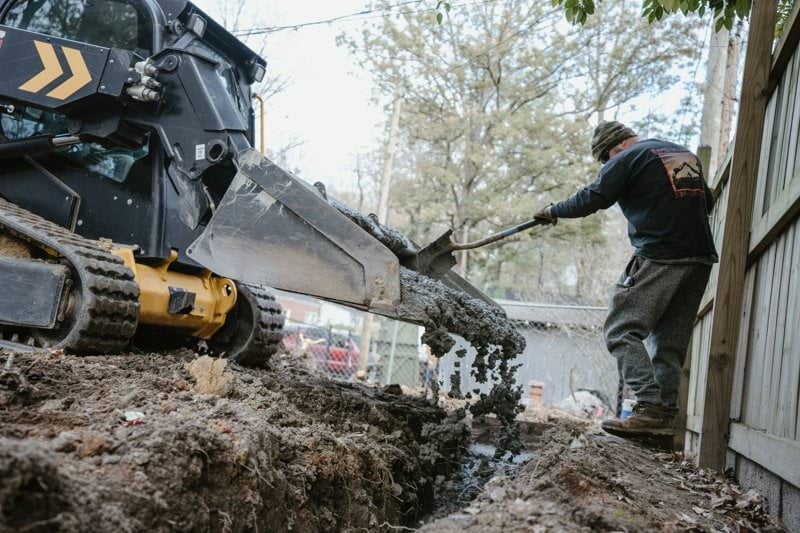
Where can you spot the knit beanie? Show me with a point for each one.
(606, 136)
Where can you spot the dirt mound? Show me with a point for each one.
(131, 443)
(581, 479)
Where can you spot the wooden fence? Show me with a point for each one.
(746, 357)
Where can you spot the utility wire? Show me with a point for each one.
(367, 14)
(340, 18)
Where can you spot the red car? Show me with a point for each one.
(334, 352)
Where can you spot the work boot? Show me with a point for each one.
(647, 420)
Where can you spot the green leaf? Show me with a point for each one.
(447, 6)
(742, 8)
(440, 17)
(669, 5)
(577, 11)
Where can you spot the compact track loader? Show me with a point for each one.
(133, 203)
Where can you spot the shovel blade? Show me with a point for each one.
(436, 259)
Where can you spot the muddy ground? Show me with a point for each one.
(578, 478)
(165, 442)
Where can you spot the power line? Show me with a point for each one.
(367, 14)
(340, 18)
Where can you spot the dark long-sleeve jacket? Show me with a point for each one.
(662, 192)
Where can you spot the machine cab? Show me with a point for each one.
(102, 187)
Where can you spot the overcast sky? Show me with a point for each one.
(327, 104)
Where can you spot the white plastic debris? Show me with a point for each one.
(133, 418)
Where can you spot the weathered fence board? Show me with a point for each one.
(763, 161)
(743, 345)
(693, 403)
(779, 146)
(786, 388)
(769, 451)
(775, 143)
(774, 288)
(698, 366)
(791, 154)
(754, 369)
(786, 248)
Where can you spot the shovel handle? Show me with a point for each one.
(501, 234)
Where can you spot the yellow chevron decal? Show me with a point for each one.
(80, 75)
(52, 69)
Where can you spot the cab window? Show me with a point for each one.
(110, 23)
(110, 163)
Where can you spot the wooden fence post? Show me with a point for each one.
(736, 238)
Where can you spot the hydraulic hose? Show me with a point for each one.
(40, 144)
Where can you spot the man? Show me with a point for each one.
(660, 188)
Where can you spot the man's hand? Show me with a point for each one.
(545, 215)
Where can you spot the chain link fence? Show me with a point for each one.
(395, 354)
(333, 351)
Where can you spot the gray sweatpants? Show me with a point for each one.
(654, 303)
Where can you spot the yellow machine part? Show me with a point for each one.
(214, 297)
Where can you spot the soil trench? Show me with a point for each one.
(172, 442)
(575, 477)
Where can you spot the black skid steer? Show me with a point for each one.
(132, 200)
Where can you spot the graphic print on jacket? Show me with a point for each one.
(683, 172)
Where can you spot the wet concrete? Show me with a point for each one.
(399, 244)
(444, 310)
(487, 329)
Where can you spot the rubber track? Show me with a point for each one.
(109, 309)
(267, 337)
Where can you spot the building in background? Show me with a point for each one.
(299, 308)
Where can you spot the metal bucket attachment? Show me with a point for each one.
(273, 229)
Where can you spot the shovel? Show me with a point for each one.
(436, 259)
